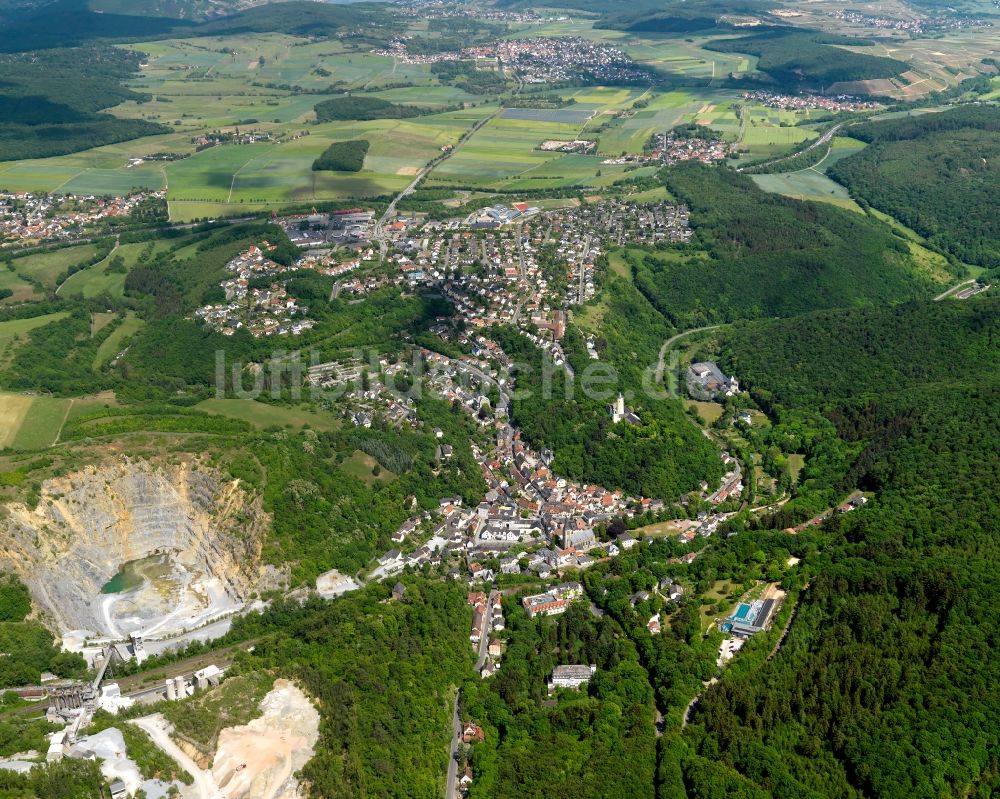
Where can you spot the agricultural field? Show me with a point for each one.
(504, 154)
(29, 422)
(262, 415)
(282, 172)
(664, 111)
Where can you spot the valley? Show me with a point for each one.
(491, 399)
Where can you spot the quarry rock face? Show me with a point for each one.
(89, 523)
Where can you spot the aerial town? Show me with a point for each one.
(543, 59)
(806, 102)
(28, 217)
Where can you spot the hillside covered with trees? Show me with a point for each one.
(884, 686)
(353, 107)
(758, 254)
(939, 174)
(809, 60)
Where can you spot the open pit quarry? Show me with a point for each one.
(179, 545)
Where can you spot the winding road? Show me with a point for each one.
(658, 375)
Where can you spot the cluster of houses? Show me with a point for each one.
(808, 102)
(541, 59)
(672, 148)
(235, 136)
(27, 217)
(915, 26)
(487, 617)
(263, 309)
(548, 59)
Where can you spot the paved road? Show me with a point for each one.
(953, 289)
(383, 245)
(824, 139)
(456, 732)
(155, 727)
(667, 344)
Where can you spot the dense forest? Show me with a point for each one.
(800, 60)
(937, 173)
(885, 686)
(365, 108)
(33, 643)
(593, 744)
(758, 254)
(50, 101)
(343, 156)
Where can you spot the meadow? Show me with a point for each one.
(30, 422)
(812, 183)
(46, 267)
(21, 290)
(362, 465)
(262, 415)
(14, 330)
(112, 345)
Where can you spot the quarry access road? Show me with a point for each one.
(155, 727)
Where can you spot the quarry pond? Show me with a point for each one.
(129, 547)
(156, 569)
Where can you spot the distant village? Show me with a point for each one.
(542, 59)
(31, 217)
(808, 102)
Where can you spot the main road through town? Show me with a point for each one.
(383, 245)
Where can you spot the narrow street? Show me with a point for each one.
(456, 732)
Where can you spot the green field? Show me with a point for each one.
(112, 345)
(263, 415)
(30, 422)
(21, 290)
(709, 412)
(41, 425)
(361, 465)
(807, 184)
(16, 329)
(46, 267)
